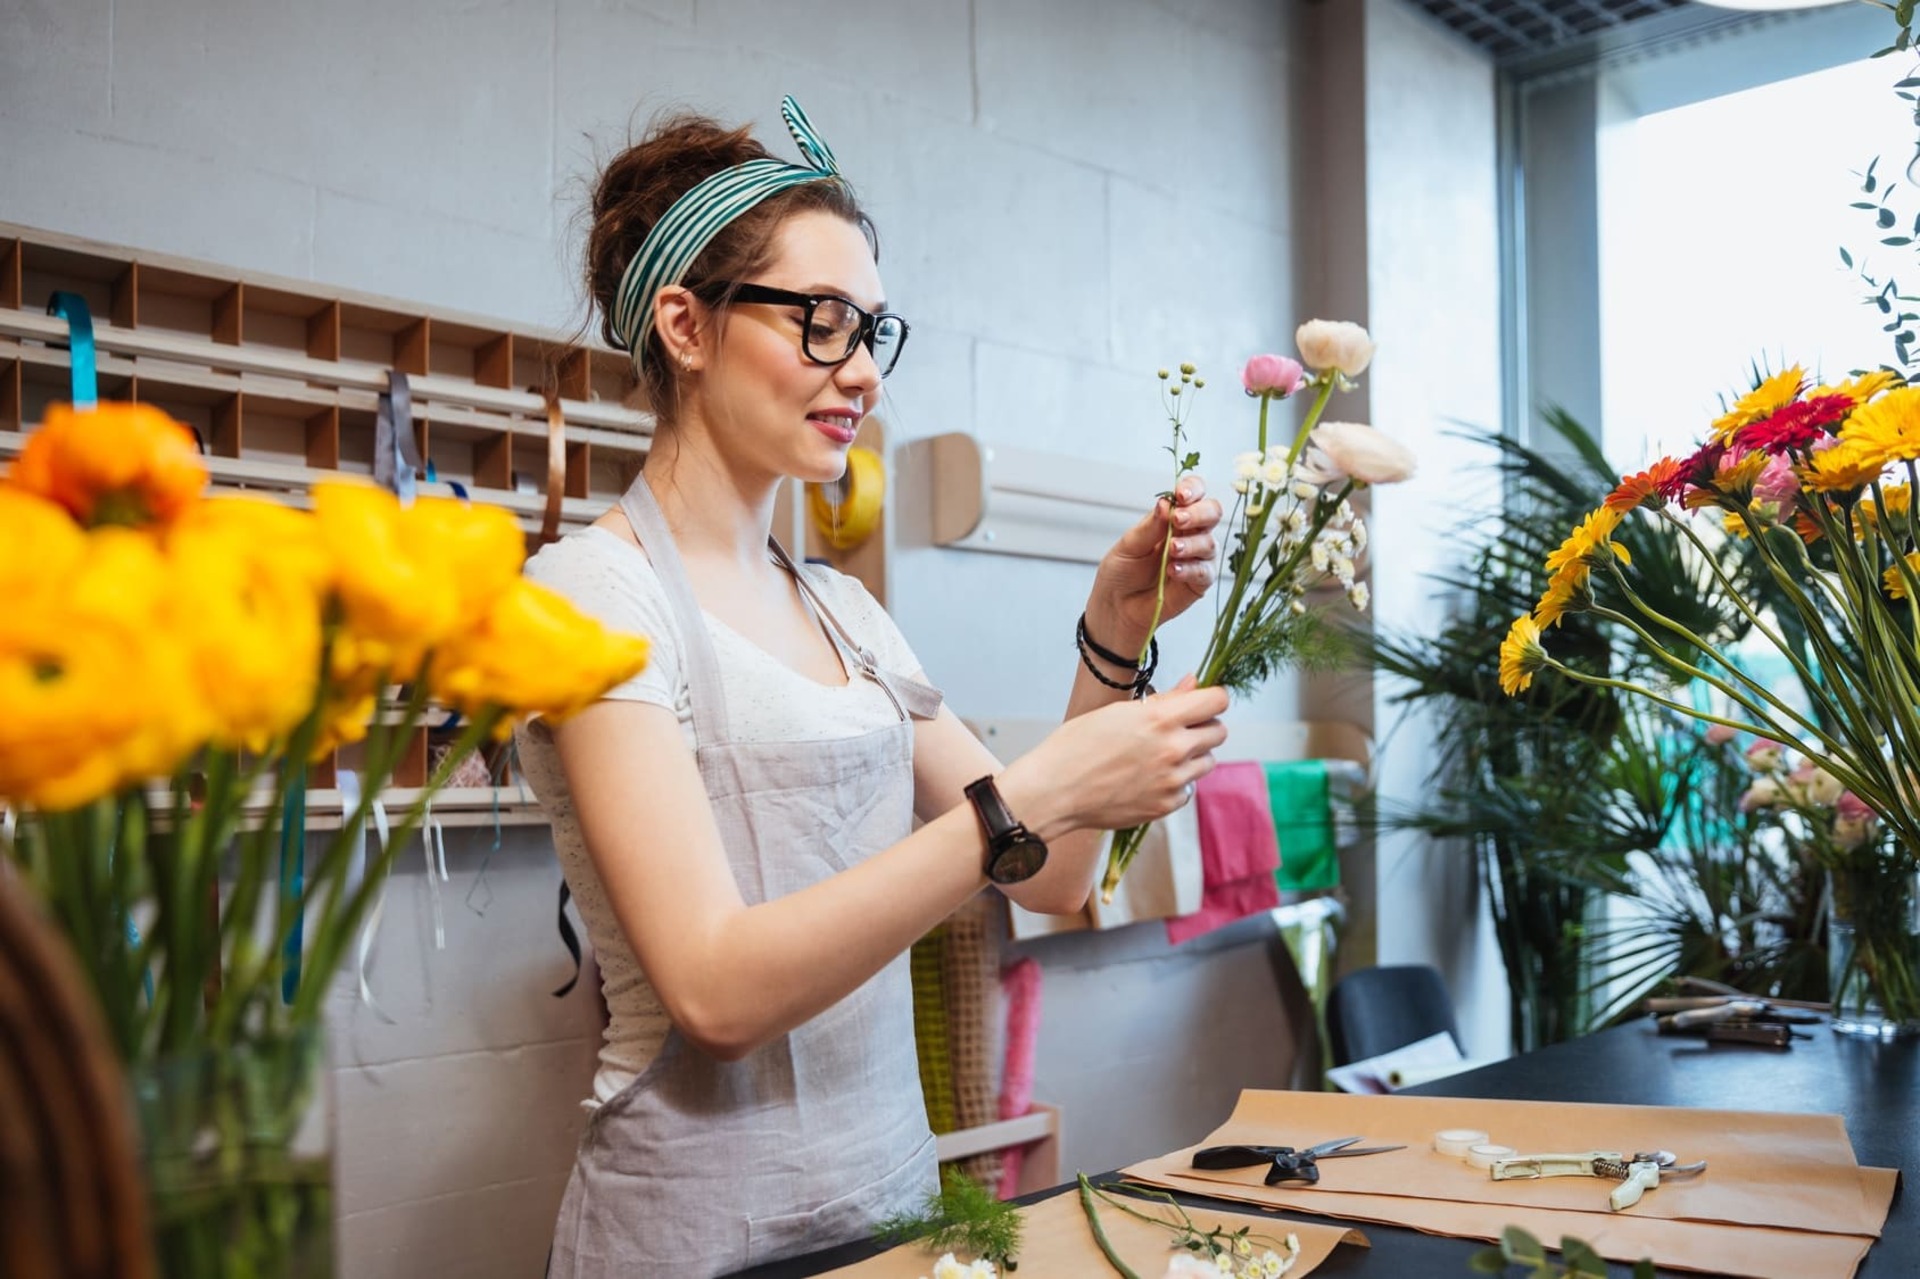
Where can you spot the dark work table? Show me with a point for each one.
(1874, 1086)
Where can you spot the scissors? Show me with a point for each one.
(1289, 1164)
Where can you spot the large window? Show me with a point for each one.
(1720, 226)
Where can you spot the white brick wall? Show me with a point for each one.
(1070, 193)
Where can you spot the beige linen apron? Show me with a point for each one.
(701, 1167)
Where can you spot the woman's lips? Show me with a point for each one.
(839, 430)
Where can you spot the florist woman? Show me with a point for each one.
(737, 822)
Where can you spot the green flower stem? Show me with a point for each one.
(1099, 1232)
(1754, 617)
(1641, 690)
(338, 928)
(1312, 419)
(1833, 754)
(1266, 402)
(1753, 686)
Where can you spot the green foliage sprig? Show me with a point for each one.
(961, 1217)
(1518, 1248)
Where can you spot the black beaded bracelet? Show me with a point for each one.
(1142, 674)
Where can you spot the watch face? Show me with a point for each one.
(1022, 859)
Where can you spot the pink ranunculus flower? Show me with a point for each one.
(1719, 735)
(1850, 807)
(1343, 450)
(1764, 755)
(1275, 375)
(1816, 784)
(1335, 344)
(1764, 793)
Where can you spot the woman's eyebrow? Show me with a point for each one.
(838, 292)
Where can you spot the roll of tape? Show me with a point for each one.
(1457, 1141)
(1483, 1155)
(846, 512)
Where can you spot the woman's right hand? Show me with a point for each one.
(1120, 765)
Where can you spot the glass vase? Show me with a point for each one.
(238, 1152)
(1873, 950)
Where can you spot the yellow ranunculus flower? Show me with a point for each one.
(115, 464)
(94, 681)
(533, 653)
(250, 582)
(40, 546)
(408, 579)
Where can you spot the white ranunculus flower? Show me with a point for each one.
(1358, 451)
(1335, 344)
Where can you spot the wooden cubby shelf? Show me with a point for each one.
(281, 378)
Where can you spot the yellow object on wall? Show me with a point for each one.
(846, 513)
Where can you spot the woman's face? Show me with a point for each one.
(766, 404)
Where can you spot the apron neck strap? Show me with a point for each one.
(701, 668)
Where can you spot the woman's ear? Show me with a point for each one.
(680, 319)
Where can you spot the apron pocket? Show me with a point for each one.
(848, 1217)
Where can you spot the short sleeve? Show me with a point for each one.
(615, 584)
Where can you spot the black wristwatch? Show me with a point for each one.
(1014, 853)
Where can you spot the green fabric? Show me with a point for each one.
(931, 1031)
(1303, 823)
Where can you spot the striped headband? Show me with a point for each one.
(702, 213)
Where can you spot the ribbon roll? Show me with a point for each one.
(1457, 1141)
(72, 308)
(846, 512)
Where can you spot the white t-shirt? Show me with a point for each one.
(609, 579)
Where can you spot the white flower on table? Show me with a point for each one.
(950, 1268)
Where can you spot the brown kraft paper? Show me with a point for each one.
(1058, 1241)
(1783, 1170)
(1751, 1252)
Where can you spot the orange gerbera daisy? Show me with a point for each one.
(1636, 489)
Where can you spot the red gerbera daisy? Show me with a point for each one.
(1795, 427)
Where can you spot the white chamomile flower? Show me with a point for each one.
(1254, 508)
(1224, 1263)
(1299, 608)
(1276, 451)
(1303, 490)
(1319, 555)
(1346, 510)
(1274, 474)
(1357, 595)
(1359, 531)
(1246, 465)
(1296, 520)
(1243, 1246)
(1241, 486)
(1343, 572)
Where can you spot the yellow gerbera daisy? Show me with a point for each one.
(1844, 466)
(1566, 593)
(1521, 656)
(1899, 499)
(1860, 389)
(1581, 552)
(1887, 430)
(1896, 583)
(1762, 401)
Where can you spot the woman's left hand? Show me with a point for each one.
(1127, 584)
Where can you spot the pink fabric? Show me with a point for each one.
(1020, 985)
(1238, 849)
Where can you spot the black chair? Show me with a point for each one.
(1379, 1009)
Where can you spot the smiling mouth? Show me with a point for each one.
(839, 426)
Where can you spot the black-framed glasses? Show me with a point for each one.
(832, 328)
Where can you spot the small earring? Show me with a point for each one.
(686, 361)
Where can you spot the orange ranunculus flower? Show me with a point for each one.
(533, 653)
(250, 584)
(115, 464)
